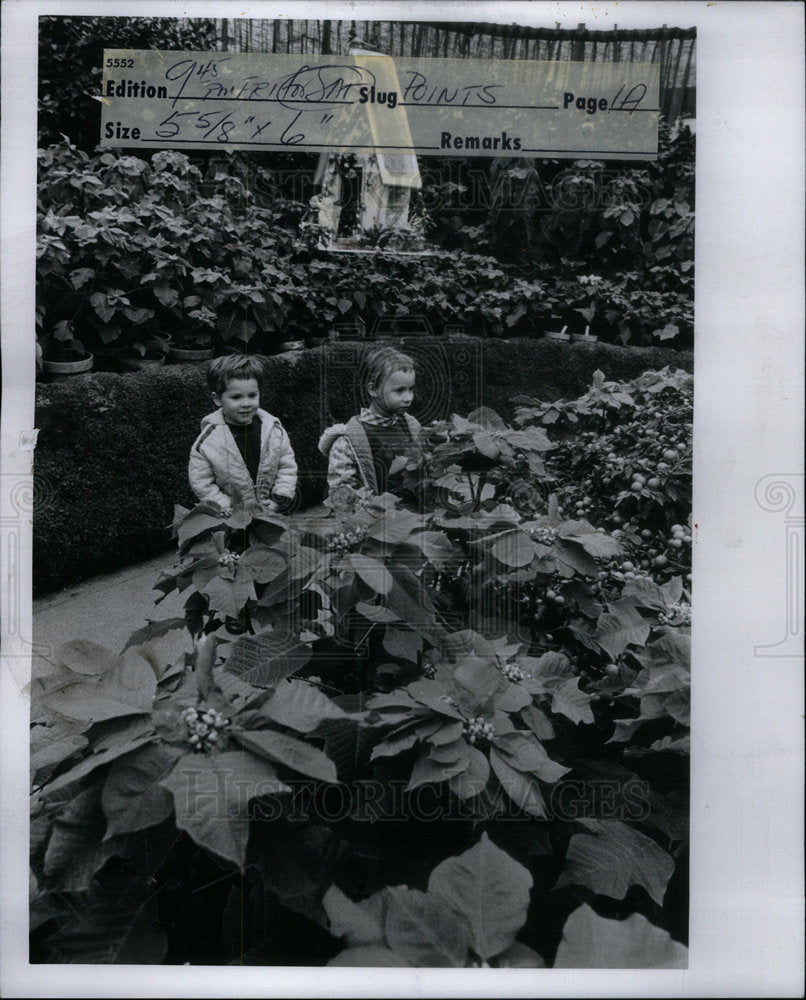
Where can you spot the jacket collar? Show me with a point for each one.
(369, 416)
(216, 418)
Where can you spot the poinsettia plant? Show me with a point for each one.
(375, 686)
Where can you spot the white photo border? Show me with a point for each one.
(746, 889)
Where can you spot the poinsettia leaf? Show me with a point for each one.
(667, 662)
(229, 597)
(673, 590)
(372, 571)
(531, 438)
(667, 744)
(489, 890)
(572, 554)
(513, 549)
(644, 592)
(395, 526)
(267, 658)
(593, 942)
(434, 695)
(425, 929)
(613, 857)
(368, 956)
(525, 753)
(446, 745)
(287, 750)
(568, 700)
(154, 630)
(348, 743)
(597, 544)
(537, 720)
(127, 736)
(50, 745)
(523, 790)
(627, 728)
(404, 737)
(551, 669)
(376, 612)
(84, 657)
(127, 688)
(487, 445)
(437, 548)
(475, 684)
(132, 798)
(485, 417)
(111, 935)
(619, 627)
(427, 771)
(512, 697)
(211, 793)
(402, 644)
(349, 920)
(520, 956)
(410, 600)
(74, 851)
(263, 562)
(196, 523)
(472, 781)
(300, 706)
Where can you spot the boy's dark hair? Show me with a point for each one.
(223, 370)
(383, 362)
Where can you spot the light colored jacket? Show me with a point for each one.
(218, 473)
(347, 448)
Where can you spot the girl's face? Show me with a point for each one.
(395, 394)
(239, 401)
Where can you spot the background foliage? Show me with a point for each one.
(111, 275)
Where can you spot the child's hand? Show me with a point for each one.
(226, 511)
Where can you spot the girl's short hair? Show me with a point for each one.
(223, 370)
(383, 362)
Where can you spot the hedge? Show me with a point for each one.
(111, 457)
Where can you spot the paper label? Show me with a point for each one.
(374, 103)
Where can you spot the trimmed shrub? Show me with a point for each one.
(111, 457)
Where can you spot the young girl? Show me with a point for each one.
(373, 448)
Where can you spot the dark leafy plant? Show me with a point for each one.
(71, 65)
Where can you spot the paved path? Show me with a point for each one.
(108, 608)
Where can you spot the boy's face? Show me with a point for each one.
(239, 401)
(395, 393)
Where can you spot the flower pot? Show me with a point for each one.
(159, 343)
(581, 338)
(190, 354)
(556, 335)
(292, 345)
(136, 363)
(68, 367)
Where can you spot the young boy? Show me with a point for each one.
(372, 449)
(243, 454)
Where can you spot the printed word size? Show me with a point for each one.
(117, 130)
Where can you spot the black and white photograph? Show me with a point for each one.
(359, 484)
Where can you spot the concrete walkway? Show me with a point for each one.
(108, 608)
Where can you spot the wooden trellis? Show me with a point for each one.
(673, 48)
